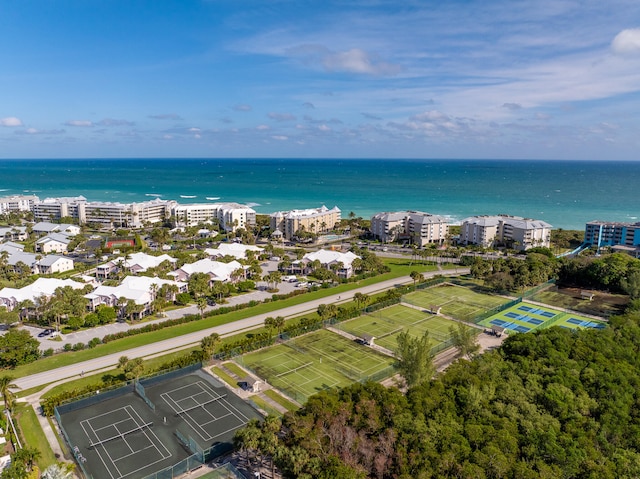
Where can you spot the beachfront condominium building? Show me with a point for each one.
(412, 226)
(313, 220)
(104, 213)
(514, 231)
(604, 233)
(230, 216)
(17, 203)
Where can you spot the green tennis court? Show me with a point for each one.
(459, 302)
(386, 324)
(320, 360)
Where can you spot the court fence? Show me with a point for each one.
(533, 291)
(139, 388)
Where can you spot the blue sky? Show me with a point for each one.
(308, 79)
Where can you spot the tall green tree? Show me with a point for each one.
(465, 340)
(415, 362)
(6, 391)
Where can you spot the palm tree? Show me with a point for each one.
(209, 345)
(58, 471)
(415, 276)
(6, 386)
(361, 299)
(26, 455)
(201, 303)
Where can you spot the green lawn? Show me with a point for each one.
(273, 395)
(222, 374)
(307, 364)
(32, 434)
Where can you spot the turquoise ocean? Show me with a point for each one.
(566, 194)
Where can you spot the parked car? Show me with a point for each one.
(45, 332)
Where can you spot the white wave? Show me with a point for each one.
(213, 198)
(251, 205)
(4, 189)
(157, 195)
(188, 196)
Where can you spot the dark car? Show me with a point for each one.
(211, 302)
(45, 332)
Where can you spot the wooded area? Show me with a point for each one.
(553, 403)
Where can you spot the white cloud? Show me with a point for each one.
(358, 61)
(113, 122)
(80, 123)
(280, 137)
(10, 121)
(626, 42)
(324, 128)
(281, 116)
(242, 107)
(263, 127)
(166, 116)
(35, 131)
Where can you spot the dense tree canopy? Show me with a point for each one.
(554, 403)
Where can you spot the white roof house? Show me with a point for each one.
(45, 227)
(328, 258)
(136, 288)
(18, 233)
(10, 297)
(11, 247)
(54, 264)
(215, 269)
(237, 250)
(141, 262)
(53, 243)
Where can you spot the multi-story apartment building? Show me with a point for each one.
(604, 233)
(520, 233)
(16, 203)
(230, 216)
(101, 212)
(415, 226)
(313, 220)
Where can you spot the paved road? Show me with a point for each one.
(187, 340)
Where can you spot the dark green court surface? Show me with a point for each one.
(161, 428)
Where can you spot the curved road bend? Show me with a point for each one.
(184, 341)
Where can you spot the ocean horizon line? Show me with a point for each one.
(292, 158)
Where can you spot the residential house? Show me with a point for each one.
(236, 250)
(12, 297)
(13, 233)
(342, 263)
(53, 243)
(54, 264)
(216, 270)
(141, 290)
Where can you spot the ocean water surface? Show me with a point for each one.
(566, 194)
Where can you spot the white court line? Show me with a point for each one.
(146, 431)
(97, 452)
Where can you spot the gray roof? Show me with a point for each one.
(27, 258)
(59, 237)
(46, 227)
(50, 259)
